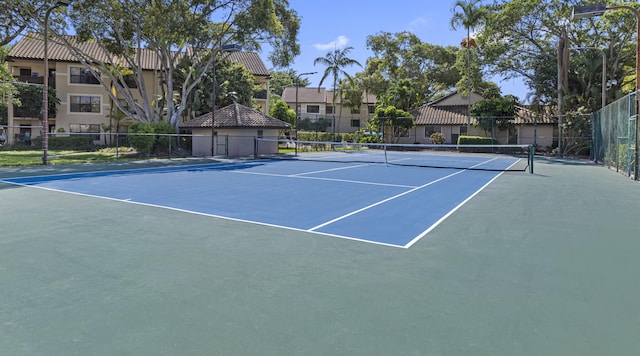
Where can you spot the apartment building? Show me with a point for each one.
(314, 104)
(84, 103)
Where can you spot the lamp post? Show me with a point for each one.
(45, 88)
(604, 73)
(580, 12)
(226, 48)
(295, 122)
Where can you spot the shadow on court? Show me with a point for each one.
(542, 264)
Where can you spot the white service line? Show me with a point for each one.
(330, 170)
(297, 176)
(393, 197)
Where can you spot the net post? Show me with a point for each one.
(386, 161)
(255, 147)
(532, 153)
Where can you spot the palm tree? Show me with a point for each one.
(335, 62)
(471, 15)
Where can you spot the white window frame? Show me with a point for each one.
(100, 100)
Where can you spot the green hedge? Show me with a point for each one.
(73, 143)
(326, 136)
(476, 140)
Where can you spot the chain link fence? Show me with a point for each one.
(614, 131)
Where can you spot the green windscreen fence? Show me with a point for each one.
(614, 130)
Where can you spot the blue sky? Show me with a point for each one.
(348, 23)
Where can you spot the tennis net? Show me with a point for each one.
(470, 157)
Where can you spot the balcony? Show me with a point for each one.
(35, 80)
(261, 95)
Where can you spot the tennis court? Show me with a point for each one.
(222, 258)
(358, 201)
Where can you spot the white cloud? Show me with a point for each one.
(419, 22)
(340, 42)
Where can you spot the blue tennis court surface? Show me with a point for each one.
(376, 203)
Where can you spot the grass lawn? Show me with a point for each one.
(34, 157)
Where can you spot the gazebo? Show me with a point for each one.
(234, 130)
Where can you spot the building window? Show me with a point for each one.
(313, 109)
(25, 129)
(86, 129)
(260, 133)
(371, 109)
(463, 130)
(80, 103)
(429, 129)
(355, 110)
(330, 109)
(81, 75)
(355, 123)
(130, 81)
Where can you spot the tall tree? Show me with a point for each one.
(520, 40)
(234, 83)
(280, 110)
(168, 33)
(469, 16)
(6, 88)
(495, 113)
(393, 120)
(18, 16)
(351, 92)
(284, 79)
(334, 63)
(401, 94)
(403, 56)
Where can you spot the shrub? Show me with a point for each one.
(437, 138)
(72, 143)
(476, 140)
(162, 142)
(141, 137)
(80, 143)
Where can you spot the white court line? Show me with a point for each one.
(425, 232)
(297, 176)
(330, 170)
(128, 200)
(393, 197)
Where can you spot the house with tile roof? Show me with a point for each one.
(449, 116)
(235, 127)
(84, 103)
(317, 103)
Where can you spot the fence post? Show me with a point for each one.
(117, 146)
(637, 131)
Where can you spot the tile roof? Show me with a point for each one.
(431, 114)
(526, 116)
(31, 46)
(251, 61)
(441, 115)
(236, 116)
